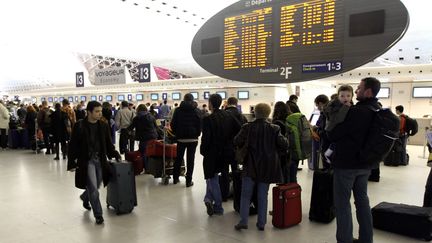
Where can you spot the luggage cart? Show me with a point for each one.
(163, 166)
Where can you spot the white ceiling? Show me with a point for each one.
(39, 39)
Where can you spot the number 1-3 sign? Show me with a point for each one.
(144, 73)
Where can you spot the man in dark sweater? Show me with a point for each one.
(236, 121)
(186, 125)
(350, 172)
(214, 147)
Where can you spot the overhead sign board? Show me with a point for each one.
(284, 41)
(108, 76)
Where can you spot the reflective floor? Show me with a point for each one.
(39, 203)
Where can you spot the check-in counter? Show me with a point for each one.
(419, 138)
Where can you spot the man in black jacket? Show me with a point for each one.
(214, 147)
(186, 125)
(90, 145)
(292, 104)
(350, 172)
(236, 121)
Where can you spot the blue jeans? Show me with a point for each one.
(94, 180)
(246, 194)
(213, 193)
(142, 149)
(293, 171)
(344, 181)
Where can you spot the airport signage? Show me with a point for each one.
(109, 76)
(287, 41)
(79, 79)
(144, 73)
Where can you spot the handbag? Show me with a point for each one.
(241, 153)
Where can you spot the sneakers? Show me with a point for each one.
(99, 220)
(210, 209)
(86, 204)
(240, 227)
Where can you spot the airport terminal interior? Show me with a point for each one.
(147, 52)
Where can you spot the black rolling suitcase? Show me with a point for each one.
(322, 205)
(403, 219)
(237, 188)
(394, 158)
(121, 190)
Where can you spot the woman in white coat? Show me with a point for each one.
(4, 125)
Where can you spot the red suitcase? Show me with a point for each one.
(134, 157)
(155, 149)
(287, 208)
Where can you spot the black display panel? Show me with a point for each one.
(384, 93)
(210, 46)
(422, 92)
(154, 97)
(176, 96)
(369, 23)
(108, 98)
(121, 98)
(100, 98)
(243, 95)
(206, 95)
(71, 99)
(222, 94)
(195, 95)
(93, 98)
(139, 97)
(61, 99)
(284, 41)
(50, 99)
(83, 98)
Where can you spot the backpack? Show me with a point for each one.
(299, 135)
(383, 133)
(47, 117)
(411, 126)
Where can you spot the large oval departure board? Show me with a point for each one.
(284, 41)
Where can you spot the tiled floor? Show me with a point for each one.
(38, 203)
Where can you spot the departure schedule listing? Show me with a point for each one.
(251, 38)
(247, 40)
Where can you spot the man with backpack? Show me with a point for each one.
(408, 127)
(351, 169)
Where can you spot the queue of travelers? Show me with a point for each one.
(86, 135)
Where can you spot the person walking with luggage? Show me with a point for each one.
(350, 172)
(123, 120)
(44, 123)
(145, 130)
(215, 148)
(264, 142)
(60, 128)
(89, 148)
(4, 125)
(186, 125)
(236, 121)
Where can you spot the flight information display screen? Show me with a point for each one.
(250, 37)
(273, 41)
